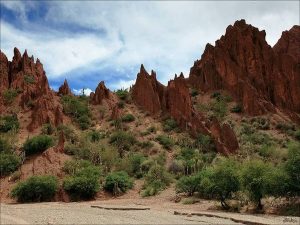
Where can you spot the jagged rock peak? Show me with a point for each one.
(64, 89)
(100, 94)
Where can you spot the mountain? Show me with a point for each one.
(258, 76)
(241, 99)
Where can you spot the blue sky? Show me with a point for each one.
(87, 42)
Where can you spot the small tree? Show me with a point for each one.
(188, 184)
(224, 180)
(253, 180)
(292, 167)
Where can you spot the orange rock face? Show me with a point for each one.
(29, 78)
(64, 89)
(100, 94)
(148, 92)
(259, 77)
(175, 100)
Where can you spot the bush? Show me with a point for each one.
(95, 136)
(194, 92)
(9, 163)
(204, 143)
(128, 118)
(9, 96)
(4, 145)
(165, 141)
(169, 125)
(8, 123)
(37, 144)
(48, 129)
(84, 122)
(123, 141)
(236, 109)
(188, 184)
(29, 79)
(224, 180)
(136, 160)
(297, 134)
(146, 144)
(157, 179)
(84, 181)
(177, 168)
(121, 104)
(122, 94)
(219, 108)
(77, 107)
(253, 180)
(292, 167)
(118, 182)
(36, 189)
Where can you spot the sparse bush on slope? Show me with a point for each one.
(35, 189)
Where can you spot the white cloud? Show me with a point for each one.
(122, 84)
(87, 91)
(164, 36)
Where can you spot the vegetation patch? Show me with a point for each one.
(9, 95)
(37, 144)
(118, 182)
(165, 141)
(9, 123)
(35, 189)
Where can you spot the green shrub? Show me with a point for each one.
(84, 122)
(297, 134)
(4, 145)
(9, 96)
(224, 180)
(157, 179)
(260, 123)
(151, 129)
(292, 168)
(9, 163)
(146, 144)
(123, 141)
(165, 141)
(188, 184)
(136, 161)
(69, 133)
(48, 129)
(253, 180)
(219, 108)
(95, 136)
(84, 182)
(29, 79)
(236, 109)
(128, 118)
(122, 94)
(77, 107)
(118, 182)
(121, 104)
(36, 189)
(37, 144)
(8, 123)
(169, 125)
(204, 143)
(194, 92)
(215, 95)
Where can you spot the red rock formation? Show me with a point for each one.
(29, 78)
(64, 89)
(176, 101)
(116, 113)
(100, 94)
(148, 92)
(243, 63)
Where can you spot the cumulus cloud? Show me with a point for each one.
(118, 36)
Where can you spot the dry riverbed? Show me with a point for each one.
(120, 211)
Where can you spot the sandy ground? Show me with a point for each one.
(84, 213)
